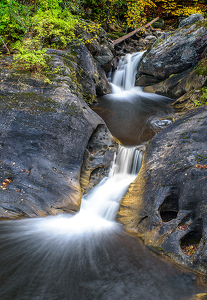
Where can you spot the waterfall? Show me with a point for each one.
(124, 77)
(103, 201)
(98, 207)
(132, 115)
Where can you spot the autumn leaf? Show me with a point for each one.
(183, 227)
(5, 182)
(201, 166)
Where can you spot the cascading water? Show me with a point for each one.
(132, 115)
(104, 199)
(124, 77)
(88, 256)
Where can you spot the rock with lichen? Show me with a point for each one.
(166, 204)
(44, 132)
(175, 51)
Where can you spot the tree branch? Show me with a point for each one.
(4, 44)
(121, 39)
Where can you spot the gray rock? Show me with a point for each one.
(44, 133)
(177, 52)
(90, 75)
(177, 85)
(97, 158)
(190, 20)
(146, 80)
(102, 85)
(166, 205)
(150, 38)
(105, 58)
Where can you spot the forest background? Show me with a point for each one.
(29, 27)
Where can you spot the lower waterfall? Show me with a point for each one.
(87, 256)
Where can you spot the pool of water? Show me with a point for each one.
(39, 262)
(134, 117)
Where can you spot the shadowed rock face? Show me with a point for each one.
(44, 132)
(42, 145)
(166, 205)
(176, 51)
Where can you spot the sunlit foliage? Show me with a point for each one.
(181, 8)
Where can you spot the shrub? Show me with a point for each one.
(29, 58)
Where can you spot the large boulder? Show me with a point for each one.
(175, 51)
(177, 85)
(97, 42)
(190, 20)
(45, 129)
(166, 204)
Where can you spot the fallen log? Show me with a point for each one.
(128, 35)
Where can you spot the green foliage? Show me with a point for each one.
(204, 95)
(201, 68)
(30, 28)
(203, 98)
(197, 103)
(53, 27)
(29, 58)
(74, 6)
(14, 19)
(45, 20)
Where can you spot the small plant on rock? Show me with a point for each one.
(29, 57)
(203, 98)
(197, 103)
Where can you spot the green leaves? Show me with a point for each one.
(52, 27)
(14, 19)
(30, 58)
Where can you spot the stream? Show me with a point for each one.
(89, 256)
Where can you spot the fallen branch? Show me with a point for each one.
(128, 35)
(202, 178)
(7, 49)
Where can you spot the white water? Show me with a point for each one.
(123, 82)
(132, 115)
(124, 77)
(99, 207)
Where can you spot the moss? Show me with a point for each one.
(31, 102)
(88, 98)
(201, 68)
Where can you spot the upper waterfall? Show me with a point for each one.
(124, 77)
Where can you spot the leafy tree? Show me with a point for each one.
(181, 8)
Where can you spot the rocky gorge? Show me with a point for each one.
(54, 146)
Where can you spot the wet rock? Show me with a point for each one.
(98, 44)
(178, 84)
(90, 75)
(101, 82)
(172, 86)
(190, 20)
(175, 52)
(140, 41)
(146, 80)
(166, 205)
(45, 129)
(97, 158)
(105, 58)
(150, 39)
(187, 101)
